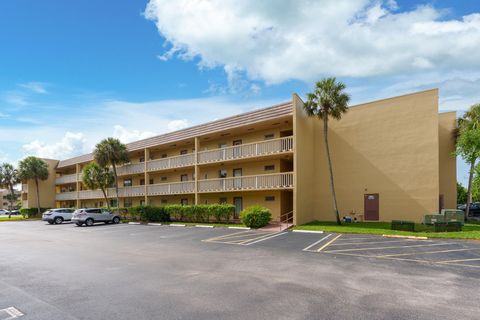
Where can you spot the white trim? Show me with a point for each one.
(239, 228)
(306, 231)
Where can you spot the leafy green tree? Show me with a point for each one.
(329, 100)
(96, 177)
(36, 169)
(111, 152)
(462, 193)
(8, 179)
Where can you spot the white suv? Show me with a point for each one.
(57, 216)
(89, 216)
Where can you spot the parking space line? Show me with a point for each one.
(328, 243)
(459, 260)
(458, 264)
(428, 252)
(397, 247)
(255, 238)
(317, 242)
(270, 237)
(370, 242)
(226, 235)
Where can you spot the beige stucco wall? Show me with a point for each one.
(447, 162)
(389, 147)
(47, 188)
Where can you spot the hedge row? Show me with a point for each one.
(32, 212)
(186, 213)
(149, 213)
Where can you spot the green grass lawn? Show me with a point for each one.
(14, 218)
(470, 230)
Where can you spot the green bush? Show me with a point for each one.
(201, 212)
(255, 217)
(175, 211)
(32, 212)
(149, 213)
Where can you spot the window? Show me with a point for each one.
(142, 202)
(184, 177)
(269, 136)
(222, 145)
(269, 167)
(142, 182)
(269, 198)
(113, 203)
(184, 202)
(127, 182)
(142, 159)
(222, 173)
(150, 181)
(163, 179)
(184, 152)
(163, 201)
(164, 155)
(222, 200)
(127, 203)
(101, 203)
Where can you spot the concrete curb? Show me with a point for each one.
(203, 226)
(404, 237)
(307, 231)
(155, 224)
(134, 223)
(177, 225)
(239, 228)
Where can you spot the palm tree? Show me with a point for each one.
(33, 168)
(328, 100)
(97, 177)
(467, 145)
(111, 152)
(8, 179)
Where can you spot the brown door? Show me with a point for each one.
(371, 202)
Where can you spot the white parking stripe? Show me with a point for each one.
(461, 260)
(370, 242)
(398, 247)
(329, 242)
(272, 236)
(317, 242)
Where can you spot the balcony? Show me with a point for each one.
(171, 188)
(172, 162)
(260, 182)
(90, 194)
(249, 150)
(63, 196)
(135, 191)
(68, 178)
(132, 168)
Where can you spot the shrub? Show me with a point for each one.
(255, 217)
(201, 212)
(32, 212)
(149, 213)
(222, 212)
(175, 211)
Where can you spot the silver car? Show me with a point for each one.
(89, 216)
(57, 216)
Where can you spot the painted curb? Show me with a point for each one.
(176, 225)
(404, 237)
(239, 228)
(154, 224)
(203, 226)
(134, 223)
(307, 231)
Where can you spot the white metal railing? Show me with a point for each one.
(25, 188)
(131, 168)
(282, 180)
(171, 188)
(183, 160)
(66, 196)
(90, 194)
(247, 150)
(68, 178)
(133, 191)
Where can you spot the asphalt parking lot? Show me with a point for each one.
(163, 272)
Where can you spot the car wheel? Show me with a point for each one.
(89, 222)
(116, 220)
(58, 220)
(79, 224)
(50, 222)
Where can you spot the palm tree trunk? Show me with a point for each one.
(116, 186)
(469, 191)
(330, 169)
(105, 197)
(38, 196)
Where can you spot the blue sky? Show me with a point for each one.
(73, 72)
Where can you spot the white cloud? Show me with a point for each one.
(70, 145)
(128, 135)
(281, 40)
(177, 125)
(37, 87)
(16, 99)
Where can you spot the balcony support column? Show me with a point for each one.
(77, 172)
(197, 171)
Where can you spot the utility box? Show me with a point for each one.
(433, 218)
(454, 215)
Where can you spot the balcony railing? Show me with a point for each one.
(248, 150)
(90, 194)
(24, 188)
(66, 196)
(134, 191)
(259, 182)
(184, 160)
(131, 168)
(171, 188)
(68, 178)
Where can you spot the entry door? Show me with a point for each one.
(237, 182)
(238, 203)
(237, 150)
(372, 206)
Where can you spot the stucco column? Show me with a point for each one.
(197, 147)
(146, 175)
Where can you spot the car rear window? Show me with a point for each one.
(94, 211)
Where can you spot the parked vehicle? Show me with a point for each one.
(89, 216)
(57, 216)
(15, 212)
(474, 212)
(3, 212)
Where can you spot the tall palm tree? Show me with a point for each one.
(328, 100)
(111, 152)
(36, 169)
(8, 179)
(97, 177)
(467, 146)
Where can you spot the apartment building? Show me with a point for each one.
(392, 160)
(4, 198)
